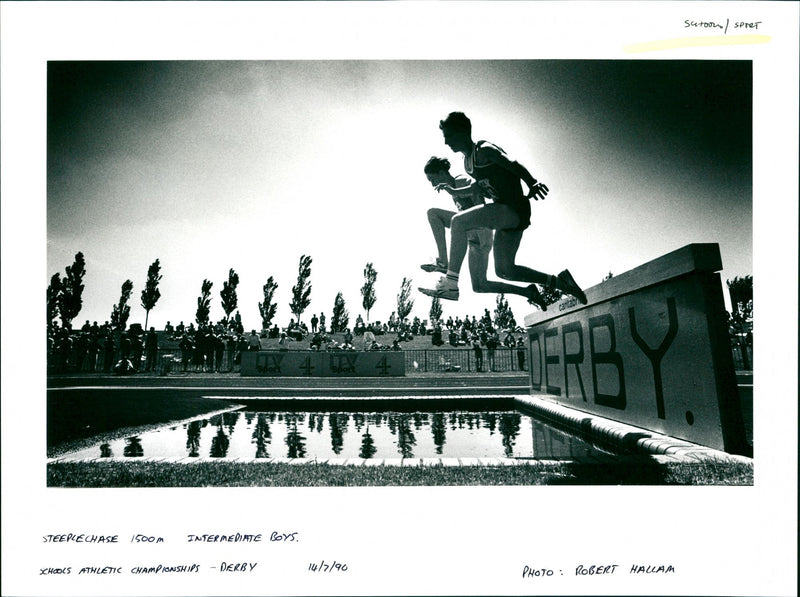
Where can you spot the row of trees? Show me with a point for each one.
(64, 297)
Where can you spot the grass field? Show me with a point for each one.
(628, 471)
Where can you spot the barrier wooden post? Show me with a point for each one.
(650, 349)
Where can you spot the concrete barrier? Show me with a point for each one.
(276, 363)
(650, 349)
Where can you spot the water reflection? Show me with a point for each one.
(295, 442)
(509, 429)
(220, 443)
(338, 423)
(368, 449)
(264, 435)
(439, 431)
(193, 437)
(133, 448)
(405, 437)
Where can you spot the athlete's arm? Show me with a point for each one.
(491, 153)
(460, 192)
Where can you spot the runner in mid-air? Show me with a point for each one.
(509, 214)
(479, 241)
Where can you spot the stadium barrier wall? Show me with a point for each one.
(650, 349)
(170, 361)
(323, 364)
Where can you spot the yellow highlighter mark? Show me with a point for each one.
(695, 42)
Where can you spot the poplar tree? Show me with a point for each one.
(503, 316)
(121, 311)
(368, 289)
(550, 295)
(204, 303)
(69, 300)
(53, 294)
(301, 292)
(436, 309)
(228, 294)
(268, 308)
(340, 318)
(404, 301)
(151, 293)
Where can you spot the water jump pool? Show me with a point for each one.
(416, 431)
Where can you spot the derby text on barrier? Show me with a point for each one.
(650, 349)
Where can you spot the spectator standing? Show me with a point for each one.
(476, 348)
(124, 346)
(94, 348)
(81, 349)
(210, 346)
(151, 349)
(231, 348)
(137, 347)
(219, 351)
(108, 351)
(199, 349)
(253, 342)
(492, 343)
(316, 341)
(314, 322)
(369, 338)
(242, 345)
(187, 348)
(436, 336)
(521, 350)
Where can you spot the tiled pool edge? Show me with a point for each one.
(643, 442)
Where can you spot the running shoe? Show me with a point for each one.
(445, 289)
(436, 266)
(536, 298)
(571, 286)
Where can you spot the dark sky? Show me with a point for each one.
(642, 157)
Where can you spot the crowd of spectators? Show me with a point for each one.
(98, 348)
(218, 347)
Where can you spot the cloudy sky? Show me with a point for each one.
(213, 165)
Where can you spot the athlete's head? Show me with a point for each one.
(457, 131)
(437, 170)
(456, 121)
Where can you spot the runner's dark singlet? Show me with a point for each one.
(506, 188)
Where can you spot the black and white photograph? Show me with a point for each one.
(319, 298)
(282, 217)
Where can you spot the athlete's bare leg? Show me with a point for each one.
(506, 245)
(503, 220)
(493, 215)
(439, 219)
